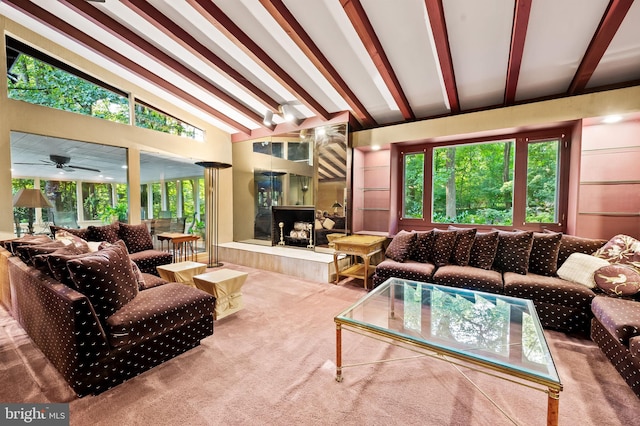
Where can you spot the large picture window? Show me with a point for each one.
(508, 182)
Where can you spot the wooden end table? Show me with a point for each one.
(179, 244)
(363, 246)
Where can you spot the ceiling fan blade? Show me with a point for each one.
(70, 166)
(30, 164)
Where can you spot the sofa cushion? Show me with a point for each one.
(514, 250)
(72, 239)
(469, 277)
(136, 237)
(11, 245)
(617, 280)
(571, 244)
(544, 254)
(26, 251)
(483, 250)
(400, 246)
(408, 270)
(442, 246)
(550, 290)
(579, 268)
(41, 261)
(106, 278)
(156, 311)
(150, 281)
(78, 232)
(147, 260)
(621, 249)
(108, 233)
(462, 248)
(57, 262)
(620, 317)
(422, 246)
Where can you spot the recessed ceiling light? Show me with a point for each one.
(125, 167)
(109, 178)
(612, 119)
(375, 147)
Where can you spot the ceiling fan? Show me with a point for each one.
(61, 162)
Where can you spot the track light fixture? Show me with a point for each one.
(287, 113)
(268, 118)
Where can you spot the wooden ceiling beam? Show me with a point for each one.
(609, 25)
(70, 31)
(521, 14)
(296, 32)
(224, 24)
(189, 43)
(435, 11)
(358, 17)
(129, 37)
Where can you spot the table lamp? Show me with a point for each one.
(31, 199)
(336, 206)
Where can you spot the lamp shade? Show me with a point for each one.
(28, 197)
(336, 205)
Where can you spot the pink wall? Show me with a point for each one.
(609, 196)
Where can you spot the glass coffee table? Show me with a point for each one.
(494, 334)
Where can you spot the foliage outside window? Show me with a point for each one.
(473, 183)
(34, 81)
(478, 183)
(98, 203)
(149, 118)
(413, 185)
(62, 195)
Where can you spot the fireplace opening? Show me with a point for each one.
(297, 225)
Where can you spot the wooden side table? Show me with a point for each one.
(181, 272)
(364, 246)
(179, 244)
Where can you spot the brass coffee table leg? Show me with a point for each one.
(553, 407)
(338, 353)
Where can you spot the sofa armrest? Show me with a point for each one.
(634, 346)
(621, 317)
(59, 320)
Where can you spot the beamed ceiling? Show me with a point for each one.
(386, 61)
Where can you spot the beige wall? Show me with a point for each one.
(21, 116)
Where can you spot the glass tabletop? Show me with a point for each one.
(493, 330)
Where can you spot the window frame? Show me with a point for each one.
(522, 141)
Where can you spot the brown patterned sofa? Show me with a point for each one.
(97, 318)
(519, 264)
(584, 285)
(137, 238)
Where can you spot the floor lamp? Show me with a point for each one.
(212, 177)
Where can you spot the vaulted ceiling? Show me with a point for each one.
(231, 61)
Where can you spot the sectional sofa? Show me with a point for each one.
(94, 314)
(582, 285)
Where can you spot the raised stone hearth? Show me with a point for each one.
(296, 262)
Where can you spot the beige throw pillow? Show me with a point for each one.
(579, 268)
(328, 223)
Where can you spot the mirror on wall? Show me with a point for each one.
(291, 189)
(85, 183)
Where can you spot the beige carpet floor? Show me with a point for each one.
(273, 363)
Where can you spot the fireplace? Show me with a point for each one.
(297, 225)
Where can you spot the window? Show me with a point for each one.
(509, 182)
(39, 79)
(150, 118)
(473, 183)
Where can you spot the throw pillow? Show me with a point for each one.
(544, 254)
(617, 280)
(570, 244)
(514, 250)
(443, 243)
(136, 237)
(318, 224)
(41, 261)
(421, 246)
(462, 248)
(57, 262)
(580, 268)
(68, 238)
(27, 239)
(400, 246)
(483, 250)
(328, 223)
(106, 278)
(621, 249)
(108, 233)
(78, 232)
(26, 251)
